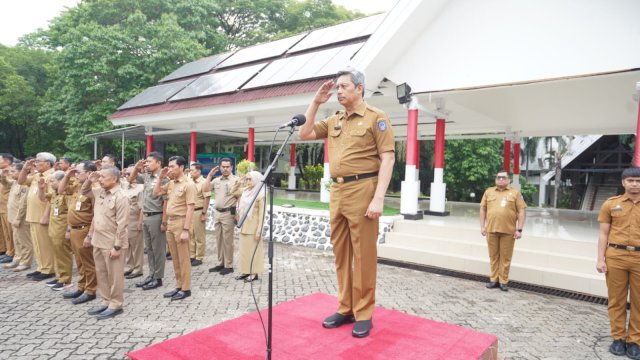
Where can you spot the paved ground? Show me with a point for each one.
(36, 323)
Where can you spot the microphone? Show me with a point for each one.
(296, 121)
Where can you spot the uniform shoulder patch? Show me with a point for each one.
(382, 124)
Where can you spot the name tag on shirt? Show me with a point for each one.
(55, 211)
(35, 190)
(78, 205)
(503, 203)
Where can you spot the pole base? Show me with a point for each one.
(416, 216)
(436, 213)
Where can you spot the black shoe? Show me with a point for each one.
(72, 294)
(133, 276)
(168, 255)
(144, 282)
(6, 260)
(492, 285)
(251, 278)
(241, 277)
(618, 347)
(42, 276)
(181, 295)
(127, 273)
(226, 271)
(171, 293)
(32, 274)
(216, 268)
(504, 287)
(196, 262)
(633, 351)
(337, 320)
(83, 299)
(52, 283)
(109, 313)
(361, 328)
(97, 310)
(155, 283)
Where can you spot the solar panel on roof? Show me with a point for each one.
(197, 67)
(218, 82)
(305, 66)
(156, 94)
(337, 33)
(261, 51)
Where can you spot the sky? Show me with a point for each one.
(20, 17)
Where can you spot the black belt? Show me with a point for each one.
(346, 179)
(223, 209)
(196, 209)
(152, 213)
(79, 227)
(625, 247)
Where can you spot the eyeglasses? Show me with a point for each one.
(502, 177)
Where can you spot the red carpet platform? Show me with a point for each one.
(298, 334)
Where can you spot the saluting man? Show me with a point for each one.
(361, 157)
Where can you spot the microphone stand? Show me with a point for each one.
(267, 177)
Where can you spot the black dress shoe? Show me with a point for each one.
(361, 328)
(171, 293)
(618, 347)
(181, 295)
(97, 310)
(127, 273)
(42, 276)
(337, 320)
(83, 299)
(168, 255)
(226, 271)
(241, 277)
(251, 278)
(32, 274)
(492, 285)
(216, 268)
(504, 287)
(109, 313)
(155, 283)
(196, 262)
(72, 294)
(144, 282)
(633, 351)
(133, 276)
(6, 260)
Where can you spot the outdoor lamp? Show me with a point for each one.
(403, 92)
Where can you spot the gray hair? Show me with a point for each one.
(48, 157)
(112, 170)
(58, 175)
(357, 77)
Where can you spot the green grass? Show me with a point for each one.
(317, 205)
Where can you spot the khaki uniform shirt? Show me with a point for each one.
(150, 203)
(35, 206)
(180, 193)
(135, 195)
(17, 204)
(200, 195)
(624, 217)
(80, 208)
(357, 140)
(111, 218)
(5, 189)
(502, 209)
(222, 190)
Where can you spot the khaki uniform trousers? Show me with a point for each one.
(24, 246)
(62, 253)
(6, 236)
(197, 242)
(87, 281)
(354, 239)
(42, 247)
(179, 253)
(223, 233)
(623, 276)
(500, 252)
(135, 252)
(110, 275)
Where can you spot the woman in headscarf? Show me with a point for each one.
(251, 231)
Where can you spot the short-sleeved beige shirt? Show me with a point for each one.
(502, 209)
(624, 217)
(35, 206)
(357, 140)
(200, 195)
(111, 218)
(222, 187)
(180, 193)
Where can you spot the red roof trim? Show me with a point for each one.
(237, 97)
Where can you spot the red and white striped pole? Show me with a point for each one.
(292, 168)
(438, 186)
(410, 187)
(251, 145)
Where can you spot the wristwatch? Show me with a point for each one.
(116, 247)
(519, 230)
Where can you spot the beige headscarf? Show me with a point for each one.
(249, 192)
